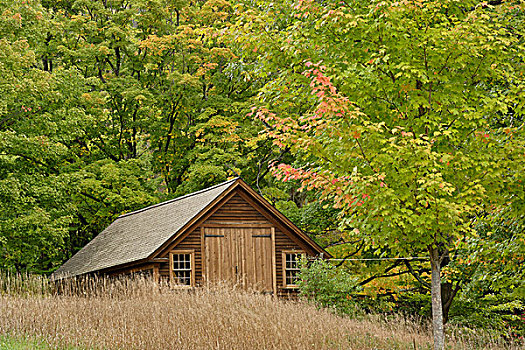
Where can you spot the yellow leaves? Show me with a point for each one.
(140, 98)
(205, 68)
(78, 18)
(253, 142)
(221, 52)
(86, 96)
(216, 11)
(104, 50)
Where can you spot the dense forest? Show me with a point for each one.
(391, 132)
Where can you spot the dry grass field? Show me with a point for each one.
(140, 314)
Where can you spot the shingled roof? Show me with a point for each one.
(137, 235)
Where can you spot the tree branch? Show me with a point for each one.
(416, 276)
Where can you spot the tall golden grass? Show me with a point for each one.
(140, 314)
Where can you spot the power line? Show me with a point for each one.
(378, 259)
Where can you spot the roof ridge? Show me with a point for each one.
(178, 198)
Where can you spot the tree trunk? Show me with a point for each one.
(446, 296)
(437, 310)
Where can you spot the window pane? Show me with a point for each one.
(291, 268)
(183, 277)
(182, 268)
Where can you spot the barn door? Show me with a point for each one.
(221, 259)
(241, 255)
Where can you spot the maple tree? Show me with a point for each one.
(408, 116)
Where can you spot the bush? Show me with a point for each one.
(327, 286)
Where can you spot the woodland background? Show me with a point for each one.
(109, 106)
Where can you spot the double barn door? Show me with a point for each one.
(243, 256)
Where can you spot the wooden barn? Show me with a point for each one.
(227, 232)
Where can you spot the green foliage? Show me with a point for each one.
(108, 106)
(382, 123)
(491, 313)
(401, 122)
(21, 343)
(490, 264)
(326, 286)
(407, 116)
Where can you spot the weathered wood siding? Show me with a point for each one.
(191, 242)
(236, 211)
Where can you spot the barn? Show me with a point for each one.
(227, 232)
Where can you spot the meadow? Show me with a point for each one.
(140, 314)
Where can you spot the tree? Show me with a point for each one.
(407, 114)
(490, 267)
(109, 106)
(34, 214)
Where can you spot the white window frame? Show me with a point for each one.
(285, 269)
(173, 278)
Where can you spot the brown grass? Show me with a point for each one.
(139, 314)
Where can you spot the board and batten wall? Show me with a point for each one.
(237, 211)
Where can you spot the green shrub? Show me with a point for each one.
(327, 286)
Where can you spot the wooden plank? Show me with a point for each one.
(253, 260)
(272, 219)
(170, 271)
(283, 268)
(267, 266)
(195, 222)
(259, 248)
(192, 266)
(250, 224)
(244, 251)
(203, 256)
(156, 273)
(236, 254)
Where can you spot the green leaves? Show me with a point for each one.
(404, 120)
(126, 104)
(418, 81)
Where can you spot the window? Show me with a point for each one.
(291, 268)
(181, 266)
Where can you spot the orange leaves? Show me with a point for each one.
(482, 136)
(18, 17)
(323, 80)
(342, 191)
(306, 7)
(205, 68)
(331, 104)
(218, 53)
(210, 65)
(157, 44)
